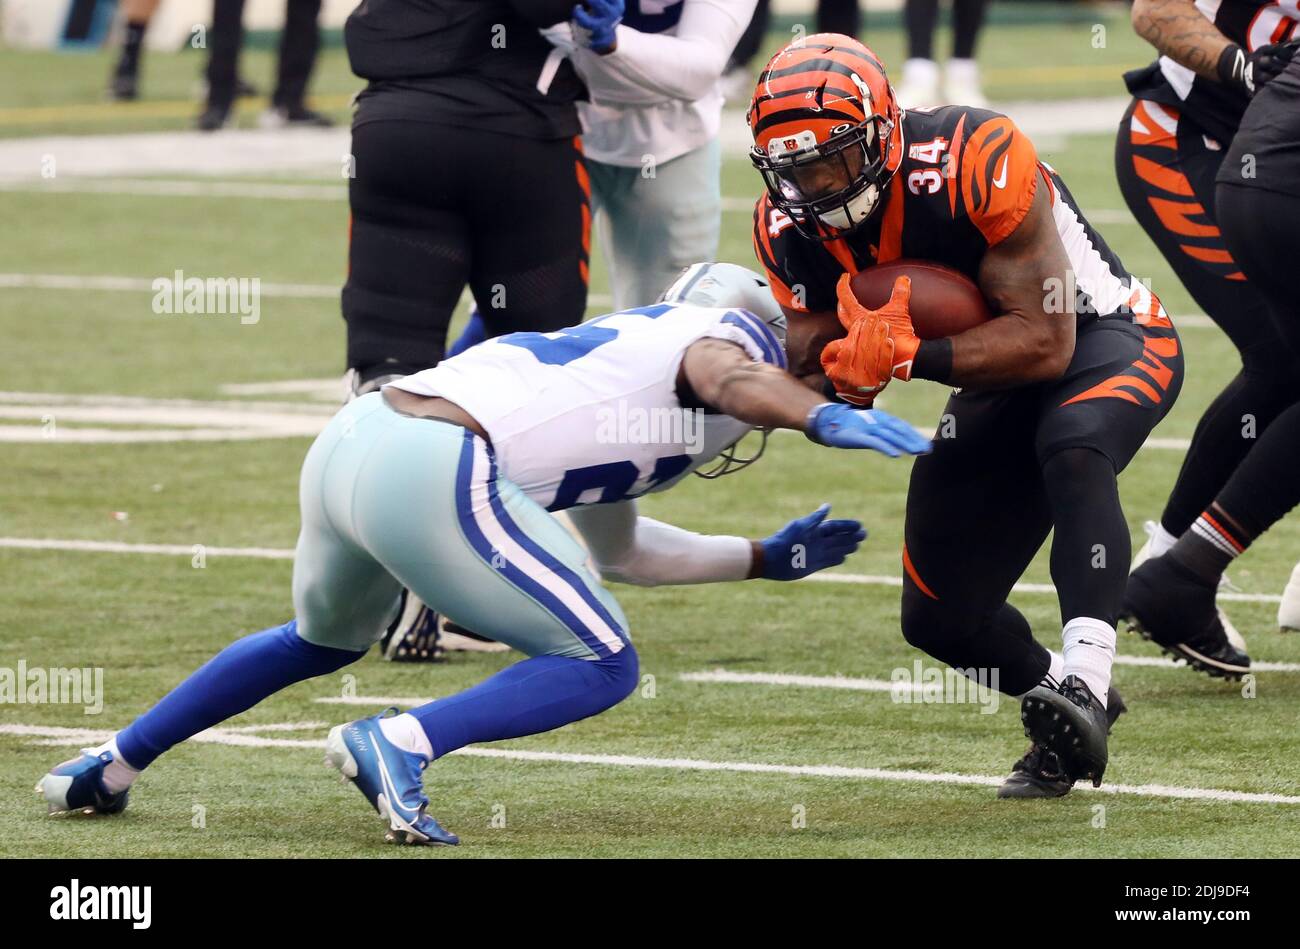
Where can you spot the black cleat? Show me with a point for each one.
(124, 87)
(413, 636)
(212, 118)
(1070, 722)
(1040, 774)
(294, 116)
(1037, 774)
(1171, 606)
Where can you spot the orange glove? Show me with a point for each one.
(859, 365)
(895, 315)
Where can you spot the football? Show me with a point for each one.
(944, 302)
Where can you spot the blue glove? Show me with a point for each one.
(843, 426)
(808, 544)
(599, 19)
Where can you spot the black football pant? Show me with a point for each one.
(1260, 217)
(299, 43)
(435, 208)
(1166, 170)
(1009, 466)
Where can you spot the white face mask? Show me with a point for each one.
(854, 211)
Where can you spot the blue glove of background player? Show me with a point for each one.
(598, 19)
(842, 426)
(809, 544)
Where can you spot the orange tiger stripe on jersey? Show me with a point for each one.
(840, 251)
(762, 241)
(1150, 364)
(916, 577)
(999, 175)
(1167, 179)
(891, 226)
(1155, 133)
(954, 156)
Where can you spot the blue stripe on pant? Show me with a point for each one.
(546, 586)
(388, 499)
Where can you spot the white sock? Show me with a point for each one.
(964, 71)
(406, 733)
(1089, 651)
(118, 775)
(1057, 669)
(1159, 540)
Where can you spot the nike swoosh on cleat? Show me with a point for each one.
(390, 791)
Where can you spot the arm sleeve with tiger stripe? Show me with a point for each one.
(999, 175)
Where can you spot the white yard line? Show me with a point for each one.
(172, 550)
(782, 678)
(376, 701)
(164, 188)
(309, 291)
(25, 281)
(879, 580)
(225, 736)
(194, 420)
(187, 550)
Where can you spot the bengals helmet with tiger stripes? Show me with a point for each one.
(827, 133)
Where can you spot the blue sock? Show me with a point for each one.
(233, 681)
(532, 696)
(475, 332)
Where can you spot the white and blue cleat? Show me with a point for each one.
(390, 778)
(78, 785)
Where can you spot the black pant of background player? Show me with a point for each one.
(436, 207)
(1258, 204)
(299, 43)
(833, 16)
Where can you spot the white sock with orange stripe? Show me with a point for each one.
(1210, 544)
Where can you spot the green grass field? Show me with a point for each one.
(149, 619)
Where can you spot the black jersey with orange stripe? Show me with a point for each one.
(967, 179)
(1217, 108)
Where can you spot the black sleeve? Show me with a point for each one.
(541, 13)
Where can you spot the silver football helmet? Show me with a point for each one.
(720, 284)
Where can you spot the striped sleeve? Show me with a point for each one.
(999, 175)
(753, 335)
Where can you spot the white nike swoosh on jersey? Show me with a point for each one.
(1000, 181)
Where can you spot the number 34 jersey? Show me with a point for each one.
(966, 181)
(591, 414)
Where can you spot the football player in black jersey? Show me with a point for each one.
(468, 170)
(1208, 162)
(1058, 391)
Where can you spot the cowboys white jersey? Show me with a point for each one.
(590, 414)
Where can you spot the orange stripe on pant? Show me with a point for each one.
(916, 577)
(1150, 364)
(584, 182)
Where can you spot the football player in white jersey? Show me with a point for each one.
(444, 481)
(650, 134)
